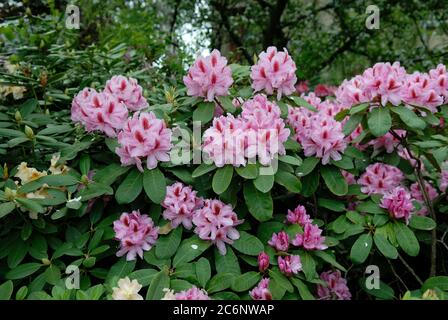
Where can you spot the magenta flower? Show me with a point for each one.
(99, 112)
(209, 77)
(263, 261)
(274, 71)
(136, 234)
(443, 181)
(399, 204)
(335, 288)
(380, 178)
(416, 193)
(180, 204)
(216, 222)
(144, 136)
(298, 216)
(128, 91)
(193, 293)
(289, 265)
(279, 241)
(261, 291)
(311, 238)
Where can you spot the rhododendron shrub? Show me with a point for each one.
(239, 182)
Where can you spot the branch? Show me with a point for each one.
(273, 30)
(410, 270)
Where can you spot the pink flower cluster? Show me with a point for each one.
(193, 293)
(386, 82)
(443, 184)
(263, 261)
(298, 216)
(279, 241)
(180, 204)
(128, 91)
(289, 265)
(275, 70)
(336, 287)
(417, 195)
(398, 203)
(311, 239)
(216, 222)
(261, 291)
(144, 136)
(380, 178)
(136, 234)
(258, 132)
(209, 77)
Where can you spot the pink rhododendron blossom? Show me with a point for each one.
(144, 136)
(99, 111)
(274, 71)
(349, 177)
(298, 216)
(136, 233)
(209, 77)
(323, 90)
(289, 265)
(302, 87)
(261, 291)
(193, 293)
(216, 222)
(417, 194)
(180, 204)
(311, 239)
(279, 241)
(443, 181)
(128, 91)
(380, 178)
(439, 77)
(336, 287)
(399, 204)
(387, 142)
(263, 261)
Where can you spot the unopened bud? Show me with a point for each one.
(29, 132)
(18, 116)
(46, 262)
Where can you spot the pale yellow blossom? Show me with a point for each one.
(127, 290)
(26, 174)
(169, 294)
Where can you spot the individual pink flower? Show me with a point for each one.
(209, 77)
(349, 177)
(279, 241)
(302, 87)
(336, 287)
(380, 178)
(311, 239)
(416, 193)
(261, 291)
(128, 91)
(439, 77)
(216, 222)
(351, 92)
(298, 216)
(274, 71)
(144, 136)
(263, 261)
(180, 204)
(398, 203)
(289, 265)
(136, 234)
(323, 90)
(443, 181)
(193, 293)
(99, 112)
(420, 91)
(387, 142)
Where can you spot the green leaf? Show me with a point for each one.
(94, 190)
(359, 108)
(369, 207)
(23, 271)
(130, 188)
(330, 259)
(189, 250)
(143, 276)
(28, 107)
(422, 223)
(245, 281)
(440, 282)
(52, 180)
(160, 281)
(281, 280)
(334, 180)
(291, 160)
(384, 292)
(6, 208)
(352, 123)
(120, 269)
(289, 181)
(222, 179)
(307, 166)
(84, 164)
(406, 239)
(154, 184)
(379, 121)
(6, 290)
(204, 112)
(409, 117)
(330, 204)
(310, 183)
(167, 245)
(304, 292)
(227, 263)
(302, 103)
(361, 248)
(260, 204)
(202, 169)
(264, 183)
(203, 271)
(308, 265)
(220, 282)
(250, 171)
(248, 244)
(18, 251)
(110, 173)
(31, 205)
(226, 103)
(385, 247)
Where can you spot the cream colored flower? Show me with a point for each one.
(169, 294)
(26, 174)
(10, 67)
(127, 290)
(57, 169)
(16, 91)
